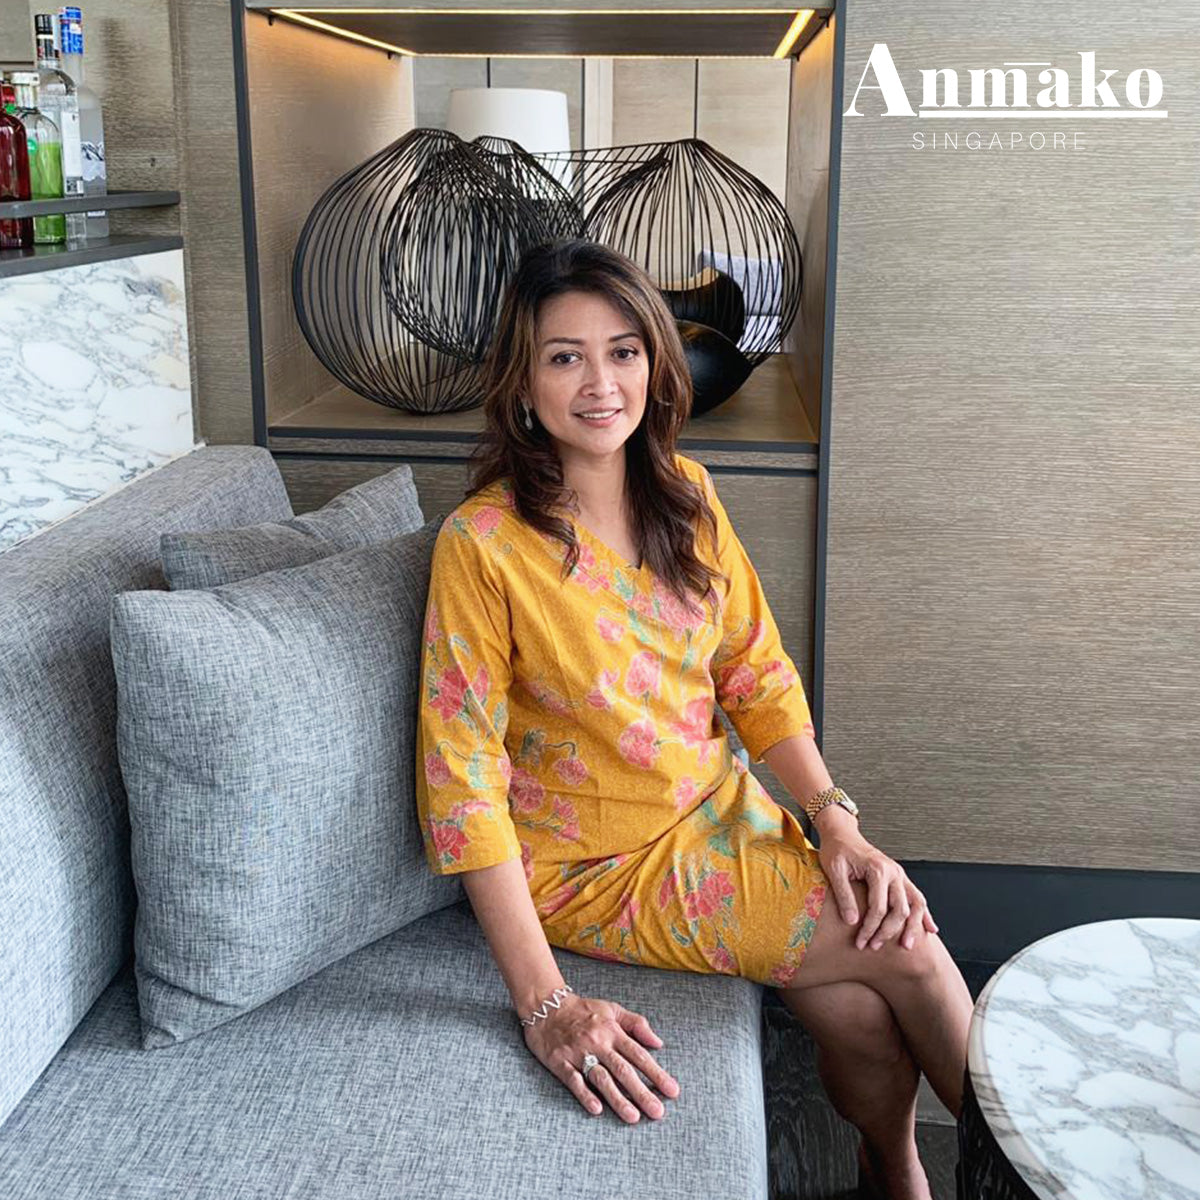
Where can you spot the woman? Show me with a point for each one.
(589, 604)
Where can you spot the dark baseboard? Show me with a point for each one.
(986, 912)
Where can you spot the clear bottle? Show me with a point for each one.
(44, 147)
(91, 117)
(57, 100)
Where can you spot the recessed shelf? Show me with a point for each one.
(74, 204)
(766, 414)
(90, 250)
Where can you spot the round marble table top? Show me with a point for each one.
(1084, 1054)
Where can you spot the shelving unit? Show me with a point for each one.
(86, 250)
(319, 92)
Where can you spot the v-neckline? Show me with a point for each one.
(596, 540)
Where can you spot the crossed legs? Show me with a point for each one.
(879, 1018)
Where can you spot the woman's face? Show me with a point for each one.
(589, 359)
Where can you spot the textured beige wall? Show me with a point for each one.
(1011, 667)
(206, 119)
(742, 111)
(807, 203)
(16, 34)
(319, 106)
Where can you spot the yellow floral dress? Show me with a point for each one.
(571, 723)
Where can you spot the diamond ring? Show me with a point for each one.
(589, 1061)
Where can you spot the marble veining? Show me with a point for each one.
(94, 384)
(1084, 1053)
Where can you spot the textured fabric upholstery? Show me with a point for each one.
(66, 896)
(382, 507)
(266, 734)
(399, 1071)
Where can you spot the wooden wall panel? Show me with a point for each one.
(1011, 633)
(653, 100)
(319, 106)
(211, 215)
(16, 35)
(313, 482)
(433, 81)
(742, 111)
(807, 203)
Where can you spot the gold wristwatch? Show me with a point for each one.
(833, 795)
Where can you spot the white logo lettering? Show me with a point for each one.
(889, 83)
(1004, 91)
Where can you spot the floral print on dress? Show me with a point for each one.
(571, 723)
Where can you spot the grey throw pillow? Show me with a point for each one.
(379, 508)
(266, 732)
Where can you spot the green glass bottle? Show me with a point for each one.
(45, 158)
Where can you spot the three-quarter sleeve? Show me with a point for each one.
(756, 682)
(462, 768)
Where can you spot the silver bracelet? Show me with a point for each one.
(560, 994)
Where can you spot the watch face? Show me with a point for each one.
(848, 805)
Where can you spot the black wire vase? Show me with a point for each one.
(401, 266)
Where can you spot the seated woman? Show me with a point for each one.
(589, 605)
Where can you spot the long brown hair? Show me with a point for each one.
(664, 504)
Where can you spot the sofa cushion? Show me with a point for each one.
(382, 507)
(66, 894)
(266, 732)
(399, 1071)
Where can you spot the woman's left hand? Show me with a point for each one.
(895, 906)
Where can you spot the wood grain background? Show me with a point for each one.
(1013, 601)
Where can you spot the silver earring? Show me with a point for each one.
(528, 418)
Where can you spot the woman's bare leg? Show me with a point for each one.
(868, 1074)
(923, 986)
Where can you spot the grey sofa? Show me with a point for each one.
(398, 1071)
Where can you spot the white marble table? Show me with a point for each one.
(1084, 1063)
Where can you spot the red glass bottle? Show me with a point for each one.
(15, 232)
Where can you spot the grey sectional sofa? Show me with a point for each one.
(397, 1071)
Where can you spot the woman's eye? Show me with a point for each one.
(625, 353)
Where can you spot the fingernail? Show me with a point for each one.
(908, 942)
(875, 945)
(851, 916)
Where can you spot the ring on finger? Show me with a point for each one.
(589, 1061)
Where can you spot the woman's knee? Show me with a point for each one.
(837, 952)
(848, 1019)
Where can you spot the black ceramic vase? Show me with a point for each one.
(718, 368)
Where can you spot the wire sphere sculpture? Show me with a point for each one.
(402, 265)
(715, 239)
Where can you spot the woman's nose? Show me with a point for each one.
(599, 378)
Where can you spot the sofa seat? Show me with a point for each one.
(399, 1071)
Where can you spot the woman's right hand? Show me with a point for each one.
(581, 1025)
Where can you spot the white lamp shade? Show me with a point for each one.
(533, 118)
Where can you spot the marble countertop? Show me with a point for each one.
(1084, 1054)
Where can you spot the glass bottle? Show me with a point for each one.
(44, 145)
(57, 100)
(91, 118)
(16, 233)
